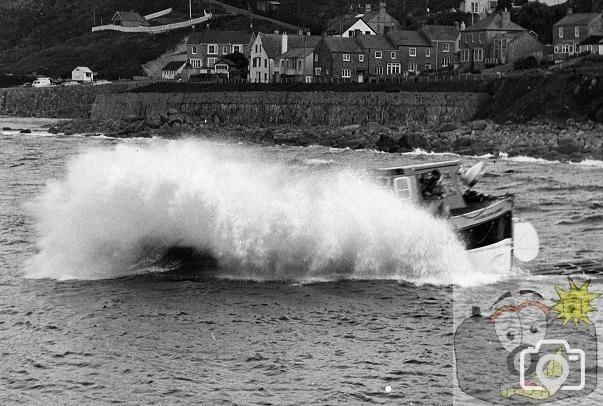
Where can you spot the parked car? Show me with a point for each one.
(70, 83)
(42, 82)
(102, 82)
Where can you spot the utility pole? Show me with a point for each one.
(190, 10)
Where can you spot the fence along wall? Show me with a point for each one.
(332, 108)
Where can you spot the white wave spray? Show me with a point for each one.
(259, 220)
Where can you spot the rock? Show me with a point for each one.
(154, 121)
(53, 130)
(479, 125)
(446, 127)
(350, 128)
(25, 131)
(386, 143)
(131, 118)
(6, 129)
(416, 141)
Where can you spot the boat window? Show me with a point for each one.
(436, 184)
(402, 188)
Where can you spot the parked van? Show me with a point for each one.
(42, 82)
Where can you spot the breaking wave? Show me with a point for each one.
(116, 208)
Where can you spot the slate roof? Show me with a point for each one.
(593, 40)
(273, 43)
(577, 19)
(219, 37)
(83, 69)
(375, 42)
(131, 16)
(441, 32)
(174, 65)
(341, 44)
(296, 53)
(495, 22)
(408, 38)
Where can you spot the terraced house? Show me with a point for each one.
(415, 51)
(444, 41)
(496, 40)
(573, 29)
(366, 22)
(282, 57)
(382, 56)
(204, 49)
(340, 59)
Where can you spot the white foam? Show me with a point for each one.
(264, 221)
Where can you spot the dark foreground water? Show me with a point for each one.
(379, 336)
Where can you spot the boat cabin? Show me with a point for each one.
(424, 183)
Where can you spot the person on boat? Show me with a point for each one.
(432, 188)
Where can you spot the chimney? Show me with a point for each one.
(367, 8)
(285, 43)
(569, 11)
(506, 17)
(456, 25)
(382, 6)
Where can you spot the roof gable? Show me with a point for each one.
(441, 32)
(342, 44)
(130, 16)
(408, 38)
(578, 19)
(495, 22)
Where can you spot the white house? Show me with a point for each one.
(264, 50)
(82, 74)
(172, 69)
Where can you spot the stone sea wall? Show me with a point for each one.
(316, 108)
(56, 102)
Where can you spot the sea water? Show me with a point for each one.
(323, 288)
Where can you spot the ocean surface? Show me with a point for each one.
(315, 286)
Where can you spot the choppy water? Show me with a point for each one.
(102, 210)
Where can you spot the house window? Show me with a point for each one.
(360, 58)
(474, 7)
(225, 49)
(237, 48)
(465, 55)
(412, 51)
(211, 62)
(412, 66)
(265, 77)
(346, 57)
(394, 68)
(393, 55)
(480, 37)
(427, 66)
(560, 32)
(346, 73)
(299, 64)
(478, 54)
(427, 52)
(378, 54)
(472, 37)
(316, 58)
(367, 33)
(378, 70)
(212, 49)
(576, 32)
(256, 49)
(194, 50)
(196, 63)
(265, 63)
(351, 33)
(445, 62)
(446, 46)
(317, 71)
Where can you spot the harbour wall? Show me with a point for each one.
(58, 101)
(329, 108)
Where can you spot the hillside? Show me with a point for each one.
(52, 36)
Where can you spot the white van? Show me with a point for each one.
(42, 82)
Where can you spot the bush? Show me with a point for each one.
(529, 62)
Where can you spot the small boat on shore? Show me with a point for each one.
(484, 223)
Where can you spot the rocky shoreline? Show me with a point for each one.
(565, 141)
